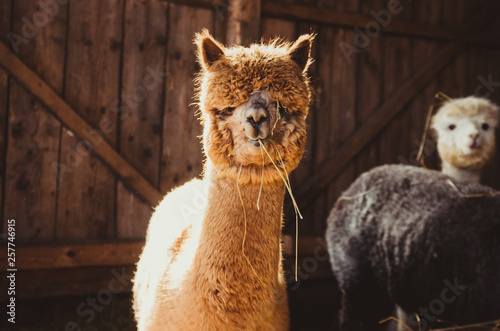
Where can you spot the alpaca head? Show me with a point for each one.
(253, 97)
(466, 132)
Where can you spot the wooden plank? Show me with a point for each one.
(220, 18)
(330, 169)
(30, 182)
(4, 109)
(370, 84)
(337, 18)
(210, 4)
(393, 139)
(326, 125)
(75, 255)
(5, 20)
(422, 50)
(41, 284)
(344, 105)
(33, 134)
(308, 246)
(393, 142)
(483, 64)
(276, 28)
(243, 23)
(76, 124)
(87, 196)
(143, 80)
(5, 13)
(181, 156)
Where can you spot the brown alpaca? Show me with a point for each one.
(212, 259)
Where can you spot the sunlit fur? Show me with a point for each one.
(193, 274)
(466, 136)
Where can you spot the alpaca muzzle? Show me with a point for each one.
(257, 119)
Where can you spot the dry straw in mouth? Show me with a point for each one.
(286, 181)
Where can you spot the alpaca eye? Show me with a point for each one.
(452, 127)
(228, 110)
(485, 126)
(282, 110)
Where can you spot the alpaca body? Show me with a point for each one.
(202, 295)
(212, 260)
(404, 238)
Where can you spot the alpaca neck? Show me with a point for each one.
(461, 174)
(219, 261)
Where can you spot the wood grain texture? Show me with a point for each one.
(482, 67)
(143, 82)
(33, 140)
(40, 284)
(30, 184)
(4, 98)
(182, 156)
(334, 17)
(429, 13)
(87, 196)
(5, 11)
(305, 167)
(326, 125)
(76, 256)
(77, 125)
(243, 25)
(344, 105)
(276, 28)
(370, 87)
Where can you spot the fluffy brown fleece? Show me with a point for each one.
(193, 274)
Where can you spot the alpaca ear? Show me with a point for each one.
(209, 50)
(300, 51)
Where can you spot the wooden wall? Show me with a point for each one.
(126, 68)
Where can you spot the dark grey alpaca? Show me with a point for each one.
(403, 235)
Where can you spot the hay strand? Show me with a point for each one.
(440, 98)
(234, 150)
(360, 194)
(245, 231)
(392, 318)
(474, 195)
(261, 178)
(295, 206)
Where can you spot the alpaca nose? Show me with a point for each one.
(474, 136)
(256, 116)
(257, 122)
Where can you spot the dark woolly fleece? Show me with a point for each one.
(407, 240)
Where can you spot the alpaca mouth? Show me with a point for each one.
(474, 146)
(255, 142)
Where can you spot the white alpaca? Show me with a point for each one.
(465, 130)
